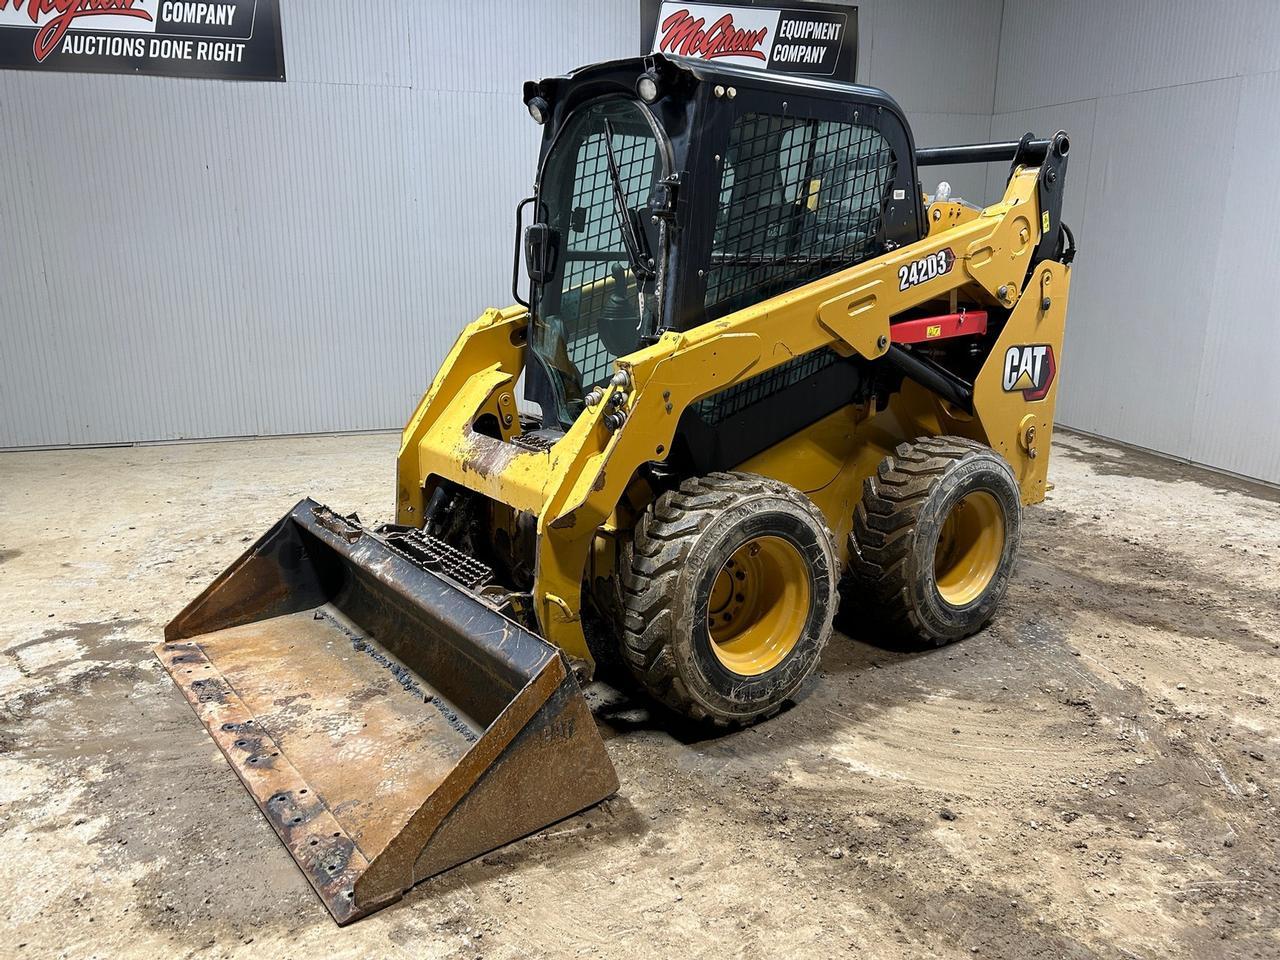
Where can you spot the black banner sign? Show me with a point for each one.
(817, 39)
(222, 39)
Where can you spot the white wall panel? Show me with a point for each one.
(493, 46)
(1238, 397)
(471, 186)
(1172, 107)
(337, 41)
(334, 273)
(1082, 49)
(136, 248)
(30, 404)
(218, 258)
(1141, 286)
(934, 56)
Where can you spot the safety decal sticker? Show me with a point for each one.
(1029, 370)
(926, 268)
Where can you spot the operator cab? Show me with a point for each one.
(671, 192)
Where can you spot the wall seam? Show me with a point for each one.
(1198, 395)
(1088, 179)
(1129, 93)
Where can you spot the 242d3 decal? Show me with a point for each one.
(926, 268)
(1029, 370)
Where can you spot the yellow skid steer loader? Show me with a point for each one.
(771, 375)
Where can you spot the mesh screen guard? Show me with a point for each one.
(799, 199)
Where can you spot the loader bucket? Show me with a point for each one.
(388, 723)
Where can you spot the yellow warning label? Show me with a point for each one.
(933, 331)
(815, 187)
(1044, 222)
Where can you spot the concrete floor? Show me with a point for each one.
(1093, 776)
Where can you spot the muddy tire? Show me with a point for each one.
(934, 541)
(729, 588)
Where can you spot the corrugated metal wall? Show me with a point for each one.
(190, 258)
(1174, 111)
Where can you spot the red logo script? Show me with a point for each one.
(67, 11)
(682, 34)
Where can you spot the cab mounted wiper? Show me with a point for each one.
(633, 235)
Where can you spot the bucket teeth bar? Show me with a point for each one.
(388, 723)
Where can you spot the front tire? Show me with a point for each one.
(729, 588)
(935, 537)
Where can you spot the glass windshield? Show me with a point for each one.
(596, 303)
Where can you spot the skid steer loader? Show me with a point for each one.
(771, 374)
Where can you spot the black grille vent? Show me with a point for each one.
(720, 406)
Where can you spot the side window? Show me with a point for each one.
(594, 239)
(591, 312)
(799, 199)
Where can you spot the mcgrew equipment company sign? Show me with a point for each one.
(814, 39)
(225, 39)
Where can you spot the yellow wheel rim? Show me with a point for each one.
(969, 548)
(759, 605)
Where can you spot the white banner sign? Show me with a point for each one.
(802, 40)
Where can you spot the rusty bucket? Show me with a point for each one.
(388, 723)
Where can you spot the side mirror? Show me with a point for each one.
(541, 251)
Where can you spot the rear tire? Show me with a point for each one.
(934, 541)
(729, 587)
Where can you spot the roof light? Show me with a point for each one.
(539, 109)
(647, 87)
